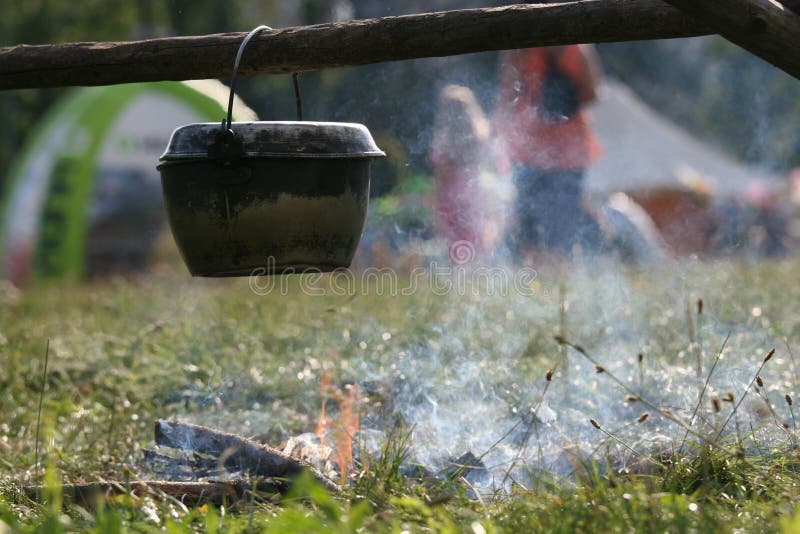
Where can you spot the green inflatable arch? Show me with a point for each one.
(44, 225)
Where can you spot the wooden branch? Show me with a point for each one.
(764, 27)
(356, 42)
(189, 493)
(236, 451)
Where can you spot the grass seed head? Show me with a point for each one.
(599, 369)
(759, 381)
(769, 355)
(640, 357)
(561, 340)
(631, 398)
(700, 306)
(728, 396)
(642, 418)
(788, 399)
(716, 404)
(595, 424)
(549, 375)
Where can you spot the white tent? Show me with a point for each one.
(643, 149)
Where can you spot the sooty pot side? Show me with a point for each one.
(274, 214)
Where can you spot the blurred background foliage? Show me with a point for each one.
(718, 91)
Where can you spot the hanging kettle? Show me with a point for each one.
(266, 197)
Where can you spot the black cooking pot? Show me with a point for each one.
(266, 197)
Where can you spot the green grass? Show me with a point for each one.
(125, 352)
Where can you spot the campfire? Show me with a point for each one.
(197, 464)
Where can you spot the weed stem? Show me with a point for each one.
(39, 411)
(741, 399)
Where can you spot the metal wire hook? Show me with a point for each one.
(246, 40)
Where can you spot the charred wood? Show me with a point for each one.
(234, 451)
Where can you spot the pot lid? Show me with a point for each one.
(302, 139)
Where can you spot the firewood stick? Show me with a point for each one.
(189, 493)
(235, 451)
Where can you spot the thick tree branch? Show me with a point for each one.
(767, 28)
(356, 42)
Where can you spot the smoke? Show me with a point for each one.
(459, 394)
(470, 374)
(466, 371)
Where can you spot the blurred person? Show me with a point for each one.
(541, 122)
(457, 157)
(756, 222)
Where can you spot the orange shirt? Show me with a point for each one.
(567, 145)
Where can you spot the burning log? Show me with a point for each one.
(309, 449)
(189, 493)
(235, 451)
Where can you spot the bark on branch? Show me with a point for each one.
(766, 28)
(356, 42)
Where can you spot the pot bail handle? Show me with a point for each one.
(227, 146)
(253, 32)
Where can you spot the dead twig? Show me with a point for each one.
(189, 493)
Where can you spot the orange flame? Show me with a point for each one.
(344, 426)
(322, 425)
(345, 429)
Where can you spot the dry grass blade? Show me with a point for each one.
(694, 341)
(640, 363)
(705, 385)
(623, 443)
(767, 358)
(41, 402)
(528, 429)
(664, 413)
(779, 422)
